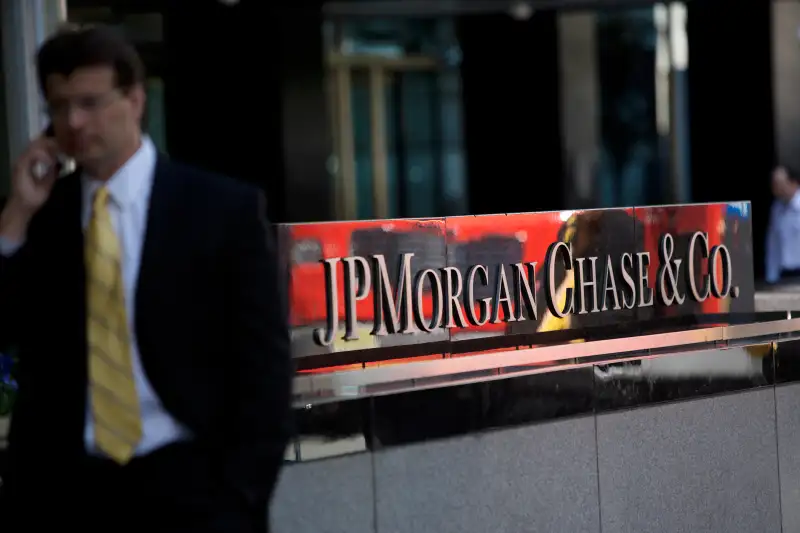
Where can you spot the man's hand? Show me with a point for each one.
(29, 190)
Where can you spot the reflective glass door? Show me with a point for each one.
(624, 109)
(395, 110)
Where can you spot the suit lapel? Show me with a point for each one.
(65, 221)
(62, 265)
(73, 203)
(67, 199)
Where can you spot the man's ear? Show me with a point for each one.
(138, 100)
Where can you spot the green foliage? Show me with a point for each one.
(8, 383)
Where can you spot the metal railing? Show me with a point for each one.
(447, 371)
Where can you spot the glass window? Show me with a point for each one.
(415, 158)
(155, 119)
(630, 170)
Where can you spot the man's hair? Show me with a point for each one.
(74, 47)
(791, 172)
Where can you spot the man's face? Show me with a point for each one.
(94, 121)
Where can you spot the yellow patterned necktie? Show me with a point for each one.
(112, 389)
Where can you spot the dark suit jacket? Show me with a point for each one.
(210, 323)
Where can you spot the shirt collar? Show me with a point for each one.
(794, 202)
(130, 181)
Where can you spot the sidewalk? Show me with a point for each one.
(786, 298)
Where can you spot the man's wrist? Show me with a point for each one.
(14, 221)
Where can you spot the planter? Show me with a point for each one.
(5, 422)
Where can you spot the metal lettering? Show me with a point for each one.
(469, 297)
(609, 286)
(720, 252)
(583, 284)
(694, 294)
(436, 296)
(325, 336)
(453, 313)
(356, 288)
(627, 270)
(501, 298)
(645, 291)
(668, 272)
(523, 275)
(396, 303)
(551, 294)
(405, 305)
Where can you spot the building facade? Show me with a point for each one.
(355, 109)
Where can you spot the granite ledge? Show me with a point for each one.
(785, 299)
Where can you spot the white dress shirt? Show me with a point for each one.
(783, 238)
(129, 199)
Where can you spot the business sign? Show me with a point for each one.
(375, 284)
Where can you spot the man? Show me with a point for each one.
(783, 234)
(143, 298)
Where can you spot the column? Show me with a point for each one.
(786, 81)
(580, 106)
(680, 131)
(25, 25)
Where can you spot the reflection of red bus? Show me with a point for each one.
(463, 242)
(491, 240)
(466, 241)
(311, 243)
(682, 222)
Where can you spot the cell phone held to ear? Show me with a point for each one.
(63, 164)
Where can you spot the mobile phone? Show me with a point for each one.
(40, 170)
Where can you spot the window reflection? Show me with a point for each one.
(404, 100)
(630, 171)
(587, 106)
(362, 142)
(155, 118)
(622, 107)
